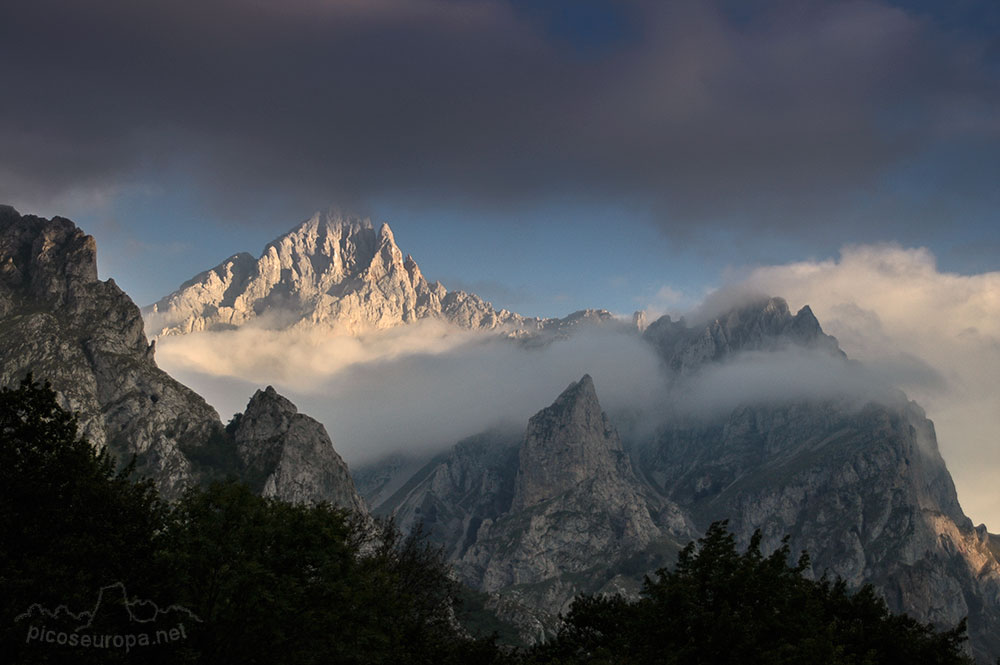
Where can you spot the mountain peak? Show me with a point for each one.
(332, 271)
(764, 324)
(565, 444)
(385, 234)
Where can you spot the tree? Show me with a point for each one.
(722, 606)
(70, 522)
(276, 582)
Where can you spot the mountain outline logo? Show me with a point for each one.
(139, 611)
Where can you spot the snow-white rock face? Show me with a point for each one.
(330, 271)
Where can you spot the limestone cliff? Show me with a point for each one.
(86, 337)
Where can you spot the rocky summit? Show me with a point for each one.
(536, 521)
(85, 337)
(331, 271)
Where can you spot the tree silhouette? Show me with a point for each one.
(720, 606)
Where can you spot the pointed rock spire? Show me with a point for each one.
(565, 444)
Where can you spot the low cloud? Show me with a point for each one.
(417, 388)
(934, 334)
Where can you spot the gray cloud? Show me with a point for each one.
(796, 112)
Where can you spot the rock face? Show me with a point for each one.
(455, 492)
(289, 455)
(86, 338)
(330, 271)
(538, 517)
(864, 491)
(569, 443)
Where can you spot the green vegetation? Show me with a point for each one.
(265, 581)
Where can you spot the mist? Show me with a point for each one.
(779, 377)
(418, 388)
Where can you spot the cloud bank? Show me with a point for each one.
(779, 377)
(417, 388)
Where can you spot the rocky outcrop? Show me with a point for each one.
(535, 518)
(568, 443)
(85, 336)
(288, 455)
(330, 271)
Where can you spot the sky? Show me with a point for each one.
(549, 156)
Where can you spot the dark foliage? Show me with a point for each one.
(69, 522)
(722, 606)
(257, 580)
(265, 581)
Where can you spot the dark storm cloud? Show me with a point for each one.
(691, 109)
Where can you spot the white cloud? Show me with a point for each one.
(776, 377)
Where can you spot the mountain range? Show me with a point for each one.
(575, 500)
